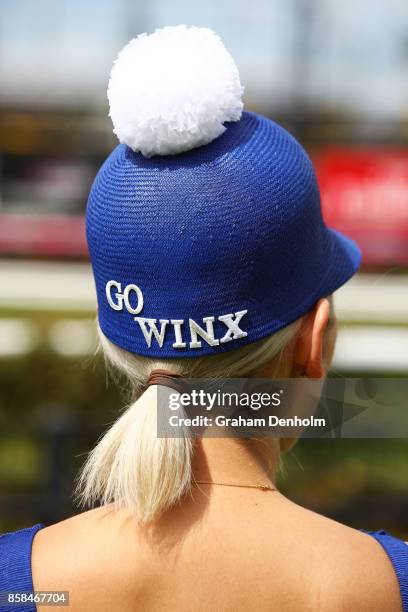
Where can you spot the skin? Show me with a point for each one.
(223, 548)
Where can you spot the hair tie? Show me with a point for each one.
(165, 378)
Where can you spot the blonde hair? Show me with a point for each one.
(130, 466)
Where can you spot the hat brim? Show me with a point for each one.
(345, 259)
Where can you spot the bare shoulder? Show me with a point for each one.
(78, 528)
(91, 533)
(82, 555)
(353, 572)
(300, 560)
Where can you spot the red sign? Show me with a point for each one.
(50, 235)
(365, 195)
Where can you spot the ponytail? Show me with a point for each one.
(130, 466)
(133, 468)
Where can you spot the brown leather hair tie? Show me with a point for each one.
(167, 379)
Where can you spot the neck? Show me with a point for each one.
(236, 461)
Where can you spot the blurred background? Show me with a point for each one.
(335, 75)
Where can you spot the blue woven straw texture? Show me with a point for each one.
(234, 225)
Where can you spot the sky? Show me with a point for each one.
(346, 54)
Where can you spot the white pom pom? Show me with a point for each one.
(172, 91)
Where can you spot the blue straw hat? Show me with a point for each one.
(202, 243)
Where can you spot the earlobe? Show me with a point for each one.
(316, 367)
(309, 346)
(302, 347)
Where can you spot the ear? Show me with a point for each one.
(308, 353)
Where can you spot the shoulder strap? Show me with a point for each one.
(15, 564)
(397, 552)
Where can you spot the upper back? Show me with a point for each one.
(221, 552)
